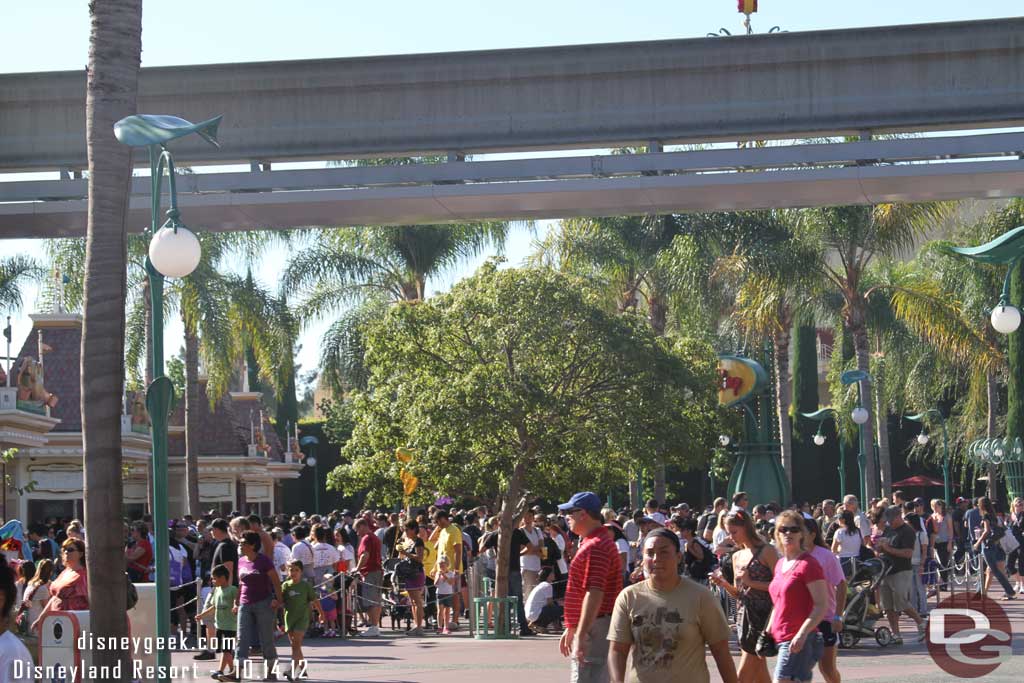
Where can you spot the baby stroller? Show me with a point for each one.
(860, 615)
(397, 604)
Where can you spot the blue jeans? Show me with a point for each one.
(799, 666)
(256, 620)
(994, 553)
(515, 588)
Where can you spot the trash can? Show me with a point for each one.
(503, 611)
(142, 624)
(58, 646)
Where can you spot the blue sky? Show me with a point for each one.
(53, 35)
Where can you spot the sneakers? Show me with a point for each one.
(204, 656)
(445, 631)
(897, 641)
(415, 633)
(228, 678)
(454, 626)
(371, 632)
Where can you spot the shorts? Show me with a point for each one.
(895, 591)
(330, 616)
(445, 599)
(369, 590)
(296, 623)
(799, 666)
(828, 636)
(226, 640)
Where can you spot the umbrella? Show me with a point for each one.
(917, 480)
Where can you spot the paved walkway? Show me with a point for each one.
(459, 658)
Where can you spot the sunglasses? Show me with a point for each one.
(789, 530)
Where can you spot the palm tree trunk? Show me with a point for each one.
(992, 395)
(658, 317)
(191, 423)
(783, 393)
(115, 47)
(861, 349)
(882, 425)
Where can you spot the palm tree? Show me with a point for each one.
(14, 272)
(115, 48)
(357, 271)
(853, 237)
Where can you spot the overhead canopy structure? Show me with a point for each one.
(931, 77)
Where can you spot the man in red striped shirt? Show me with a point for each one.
(595, 580)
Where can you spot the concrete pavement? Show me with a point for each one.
(459, 658)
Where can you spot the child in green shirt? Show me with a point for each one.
(221, 602)
(299, 597)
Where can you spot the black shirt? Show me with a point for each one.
(519, 540)
(474, 532)
(227, 551)
(903, 538)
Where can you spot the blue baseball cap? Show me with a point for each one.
(584, 500)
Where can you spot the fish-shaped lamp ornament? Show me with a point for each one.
(143, 130)
(1005, 250)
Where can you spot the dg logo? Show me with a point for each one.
(968, 636)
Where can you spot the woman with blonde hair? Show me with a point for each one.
(940, 532)
(800, 599)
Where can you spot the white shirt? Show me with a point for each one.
(531, 563)
(13, 650)
(624, 549)
(563, 566)
(347, 554)
(325, 555)
(303, 552)
(631, 530)
(849, 543)
(537, 598)
(39, 595)
(281, 556)
(657, 517)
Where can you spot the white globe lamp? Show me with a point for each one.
(1005, 318)
(859, 415)
(819, 439)
(922, 439)
(311, 461)
(174, 252)
(724, 439)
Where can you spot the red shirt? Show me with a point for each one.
(370, 545)
(793, 602)
(596, 565)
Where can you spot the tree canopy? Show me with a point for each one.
(522, 372)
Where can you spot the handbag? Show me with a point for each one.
(766, 646)
(1009, 543)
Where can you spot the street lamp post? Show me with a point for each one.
(173, 252)
(312, 442)
(820, 416)
(923, 439)
(860, 416)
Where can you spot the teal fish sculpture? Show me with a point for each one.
(1003, 250)
(143, 130)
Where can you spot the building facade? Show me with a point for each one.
(242, 463)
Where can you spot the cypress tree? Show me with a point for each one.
(1015, 356)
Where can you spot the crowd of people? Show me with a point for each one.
(656, 583)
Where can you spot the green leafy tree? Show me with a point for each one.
(517, 382)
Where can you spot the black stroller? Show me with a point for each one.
(861, 615)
